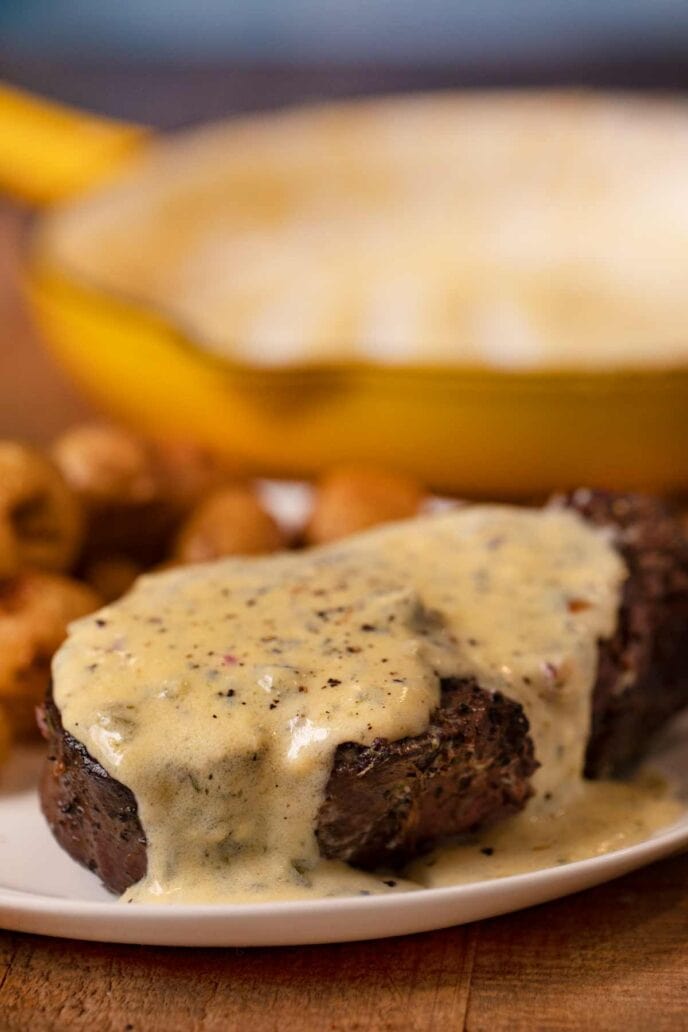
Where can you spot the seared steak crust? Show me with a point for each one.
(387, 802)
(642, 676)
(382, 804)
(391, 800)
(93, 816)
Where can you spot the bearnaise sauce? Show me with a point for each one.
(219, 693)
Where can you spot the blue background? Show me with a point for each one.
(306, 30)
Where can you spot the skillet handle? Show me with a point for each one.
(49, 151)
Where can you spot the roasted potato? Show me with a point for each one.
(112, 576)
(40, 518)
(351, 498)
(230, 521)
(135, 492)
(35, 610)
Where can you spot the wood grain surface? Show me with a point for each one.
(611, 958)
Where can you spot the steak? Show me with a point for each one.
(387, 802)
(472, 765)
(93, 816)
(642, 675)
(373, 817)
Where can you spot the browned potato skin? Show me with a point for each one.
(230, 521)
(35, 610)
(111, 471)
(350, 498)
(105, 464)
(187, 473)
(40, 517)
(18, 707)
(135, 492)
(112, 576)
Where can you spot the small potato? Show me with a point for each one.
(114, 474)
(187, 473)
(19, 705)
(40, 518)
(351, 498)
(135, 492)
(106, 465)
(112, 576)
(228, 522)
(35, 611)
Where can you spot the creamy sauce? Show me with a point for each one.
(218, 694)
(601, 817)
(517, 231)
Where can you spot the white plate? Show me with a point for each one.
(43, 891)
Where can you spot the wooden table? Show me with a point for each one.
(611, 958)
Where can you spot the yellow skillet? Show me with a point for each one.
(478, 430)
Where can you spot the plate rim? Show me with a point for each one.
(169, 923)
